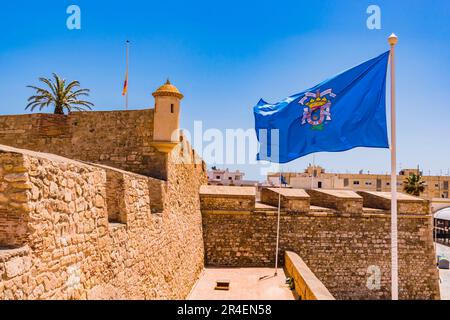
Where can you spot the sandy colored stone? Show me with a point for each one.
(14, 177)
(17, 266)
(68, 217)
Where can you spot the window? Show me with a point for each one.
(171, 108)
(345, 182)
(368, 183)
(319, 184)
(445, 185)
(388, 183)
(237, 178)
(230, 178)
(217, 177)
(356, 182)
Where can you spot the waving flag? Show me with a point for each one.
(125, 84)
(341, 113)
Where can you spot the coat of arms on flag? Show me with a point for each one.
(344, 112)
(317, 108)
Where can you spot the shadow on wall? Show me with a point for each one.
(115, 197)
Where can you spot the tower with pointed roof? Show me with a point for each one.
(166, 121)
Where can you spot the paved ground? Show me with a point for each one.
(244, 285)
(444, 274)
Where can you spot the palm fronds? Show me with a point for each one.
(414, 185)
(61, 96)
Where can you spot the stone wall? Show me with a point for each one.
(227, 198)
(343, 201)
(121, 139)
(406, 204)
(70, 230)
(294, 200)
(342, 250)
(13, 197)
(306, 285)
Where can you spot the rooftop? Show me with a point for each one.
(291, 193)
(227, 190)
(341, 193)
(443, 214)
(168, 89)
(400, 196)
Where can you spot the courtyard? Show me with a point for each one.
(245, 284)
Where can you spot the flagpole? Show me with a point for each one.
(278, 225)
(394, 242)
(126, 94)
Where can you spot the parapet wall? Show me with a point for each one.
(306, 284)
(345, 248)
(71, 230)
(120, 139)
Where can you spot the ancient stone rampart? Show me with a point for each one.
(120, 139)
(343, 237)
(71, 230)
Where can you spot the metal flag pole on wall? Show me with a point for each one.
(278, 224)
(394, 241)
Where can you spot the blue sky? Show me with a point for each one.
(226, 55)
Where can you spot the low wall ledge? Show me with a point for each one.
(307, 285)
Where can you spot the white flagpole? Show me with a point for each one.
(394, 243)
(278, 226)
(126, 95)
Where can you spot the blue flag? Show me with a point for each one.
(341, 113)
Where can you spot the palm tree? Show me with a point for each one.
(61, 96)
(414, 184)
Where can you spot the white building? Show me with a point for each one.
(226, 177)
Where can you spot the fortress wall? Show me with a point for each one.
(343, 201)
(76, 241)
(120, 139)
(342, 249)
(293, 200)
(13, 197)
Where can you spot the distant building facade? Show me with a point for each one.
(315, 177)
(226, 177)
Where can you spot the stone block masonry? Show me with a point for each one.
(71, 230)
(343, 201)
(120, 139)
(306, 284)
(344, 250)
(117, 217)
(405, 203)
(227, 198)
(294, 200)
(14, 194)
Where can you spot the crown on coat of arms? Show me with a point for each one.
(316, 103)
